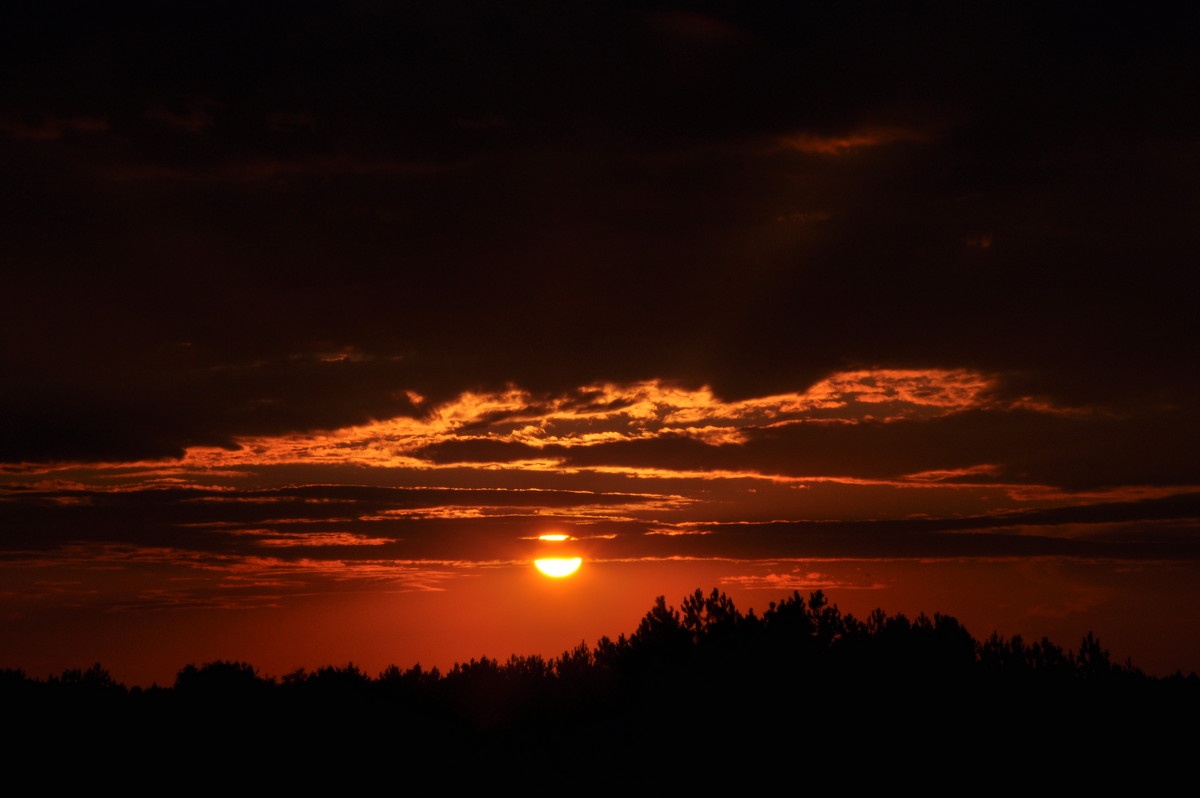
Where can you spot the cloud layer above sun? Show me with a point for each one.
(869, 464)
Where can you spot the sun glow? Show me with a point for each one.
(558, 566)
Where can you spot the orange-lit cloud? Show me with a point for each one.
(950, 432)
(608, 413)
(268, 538)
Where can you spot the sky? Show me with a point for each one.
(315, 316)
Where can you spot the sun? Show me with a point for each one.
(558, 567)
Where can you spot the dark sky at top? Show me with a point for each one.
(206, 205)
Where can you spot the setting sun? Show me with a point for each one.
(558, 566)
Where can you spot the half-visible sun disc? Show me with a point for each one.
(553, 537)
(558, 566)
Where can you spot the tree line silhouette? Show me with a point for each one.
(799, 668)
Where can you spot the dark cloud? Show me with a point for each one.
(193, 517)
(327, 523)
(552, 196)
(482, 450)
(1075, 451)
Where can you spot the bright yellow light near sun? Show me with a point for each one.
(558, 566)
(554, 537)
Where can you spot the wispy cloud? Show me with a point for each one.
(798, 578)
(838, 144)
(50, 128)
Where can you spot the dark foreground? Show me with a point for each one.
(801, 696)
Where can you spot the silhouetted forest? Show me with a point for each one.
(703, 682)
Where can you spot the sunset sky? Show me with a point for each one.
(317, 315)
